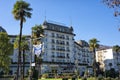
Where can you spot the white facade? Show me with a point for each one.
(14, 57)
(107, 59)
(58, 48)
(83, 56)
(61, 53)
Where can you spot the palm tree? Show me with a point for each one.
(24, 47)
(93, 44)
(116, 48)
(37, 31)
(21, 10)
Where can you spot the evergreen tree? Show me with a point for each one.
(6, 50)
(93, 44)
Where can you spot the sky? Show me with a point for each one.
(89, 18)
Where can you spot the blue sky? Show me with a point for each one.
(89, 18)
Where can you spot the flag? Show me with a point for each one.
(37, 49)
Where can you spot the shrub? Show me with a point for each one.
(84, 78)
(117, 78)
(35, 74)
(45, 75)
(92, 78)
(73, 78)
(109, 78)
(64, 78)
(100, 77)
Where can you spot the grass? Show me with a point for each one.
(68, 79)
(55, 79)
(50, 79)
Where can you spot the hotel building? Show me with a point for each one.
(62, 54)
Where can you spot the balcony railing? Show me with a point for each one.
(60, 56)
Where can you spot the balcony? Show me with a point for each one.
(60, 56)
(52, 48)
(60, 43)
(53, 36)
(53, 56)
(67, 44)
(53, 42)
(68, 50)
(60, 49)
(68, 57)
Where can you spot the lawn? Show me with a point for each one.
(55, 79)
(50, 79)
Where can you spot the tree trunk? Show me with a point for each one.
(23, 68)
(39, 68)
(19, 55)
(94, 63)
(35, 60)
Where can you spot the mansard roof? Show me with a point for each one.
(103, 47)
(2, 29)
(83, 43)
(57, 27)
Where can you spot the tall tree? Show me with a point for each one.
(6, 50)
(115, 4)
(93, 44)
(24, 47)
(21, 10)
(37, 32)
(116, 48)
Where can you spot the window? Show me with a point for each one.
(67, 37)
(57, 35)
(12, 40)
(53, 55)
(53, 35)
(57, 41)
(46, 39)
(63, 37)
(63, 42)
(53, 47)
(67, 49)
(67, 43)
(52, 41)
(68, 55)
(52, 60)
